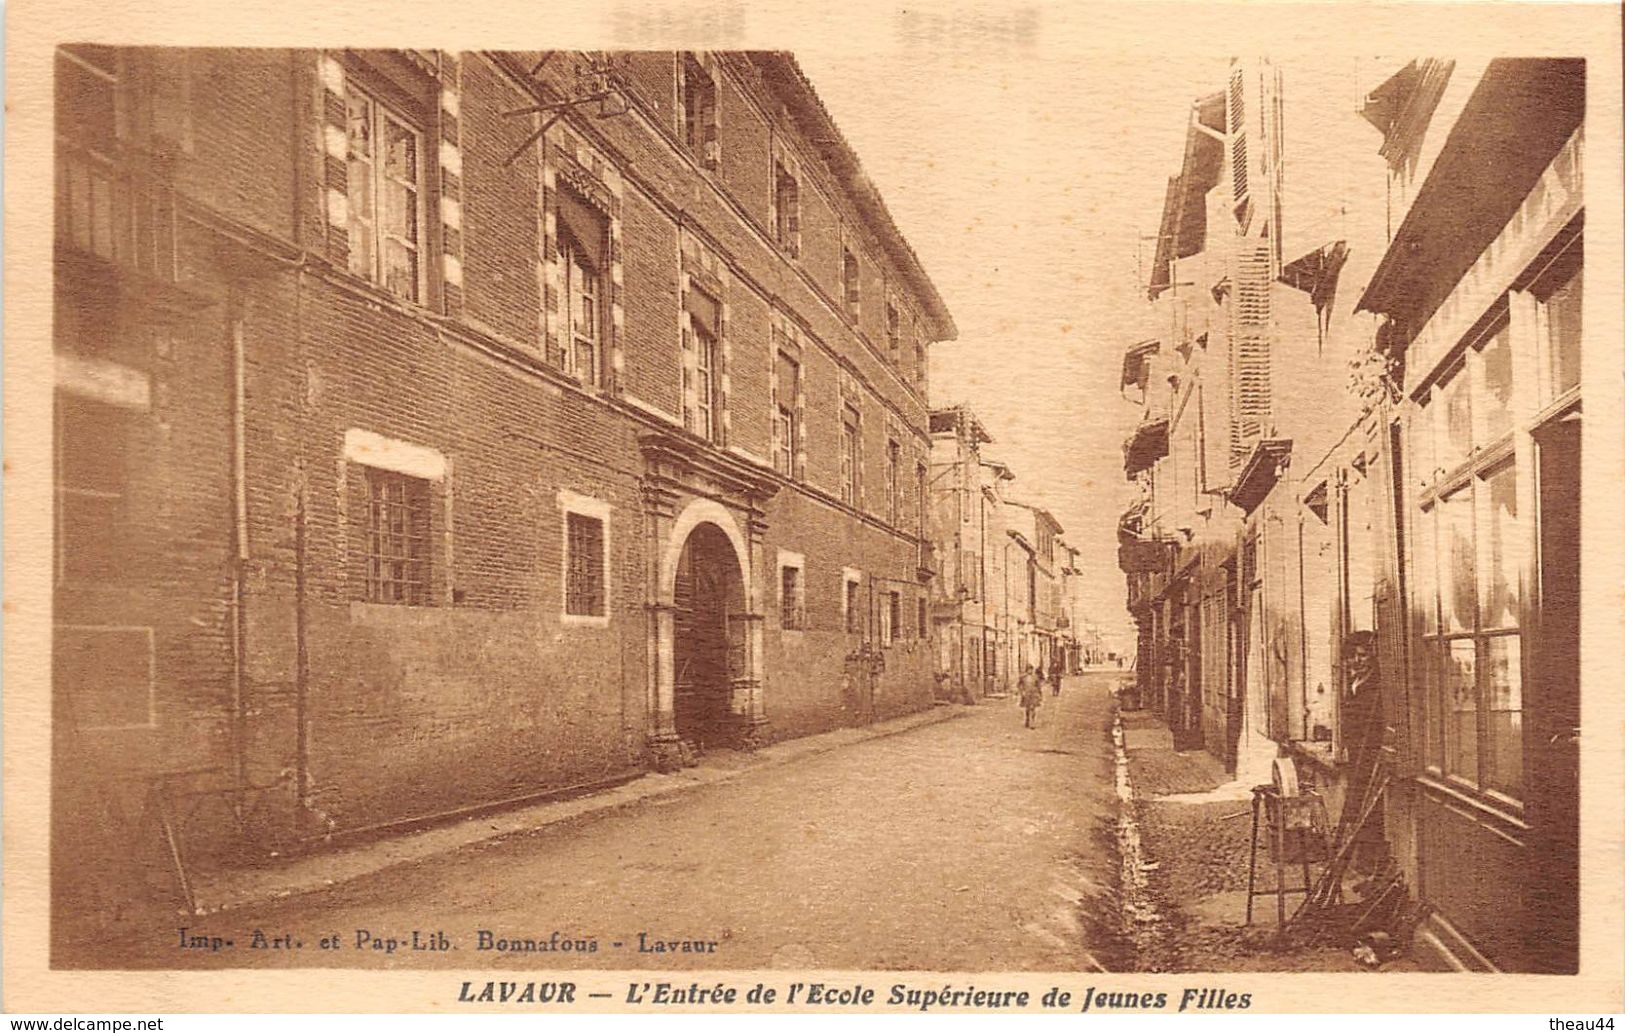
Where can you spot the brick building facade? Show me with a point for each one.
(424, 443)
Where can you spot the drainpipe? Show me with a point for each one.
(239, 544)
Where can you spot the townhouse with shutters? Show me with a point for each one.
(1361, 376)
(441, 429)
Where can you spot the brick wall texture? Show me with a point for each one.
(486, 692)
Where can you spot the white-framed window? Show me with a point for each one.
(396, 522)
(385, 174)
(399, 529)
(792, 591)
(852, 610)
(585, 573)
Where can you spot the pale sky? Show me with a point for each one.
(1025, 181)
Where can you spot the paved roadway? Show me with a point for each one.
(968, 845)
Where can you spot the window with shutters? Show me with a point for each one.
(1250, 401)
(786, 425)
(700, 113)
(851, 456)
(385, 183)
(582, 231)
(786, 209)
(1236, 98)
(398, 528)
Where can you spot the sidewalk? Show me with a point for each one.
(323, 869)
(1197, 844)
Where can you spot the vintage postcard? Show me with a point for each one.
(956, 507)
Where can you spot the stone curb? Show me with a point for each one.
(328, 868)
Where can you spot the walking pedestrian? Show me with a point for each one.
(1057, 667)
(1032, 693)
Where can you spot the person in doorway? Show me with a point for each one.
(1031, 692)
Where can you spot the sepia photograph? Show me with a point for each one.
(979, 503)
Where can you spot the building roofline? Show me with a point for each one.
(790, 84)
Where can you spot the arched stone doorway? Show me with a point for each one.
(706, 636)
(709, 640)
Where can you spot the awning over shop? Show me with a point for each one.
(1264, 466)
(1517, 120)
(1145, 446)
(1137, 364)
(1144, 557)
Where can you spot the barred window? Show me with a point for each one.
(584, 584)
(397, 538)
(792, 609)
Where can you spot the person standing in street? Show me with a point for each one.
(1032, 693)
(1057, 667)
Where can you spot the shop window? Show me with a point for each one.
(385, 180)
(398, 521)
(1470, 562)
(1559, 293)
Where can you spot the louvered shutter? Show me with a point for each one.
(1249, 348)
(1240, 171)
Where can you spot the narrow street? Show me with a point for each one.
(968, 845)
